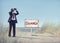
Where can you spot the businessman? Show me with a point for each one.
(12, 21)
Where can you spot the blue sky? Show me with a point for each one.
(43, 10)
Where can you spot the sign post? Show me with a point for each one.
(31, 23)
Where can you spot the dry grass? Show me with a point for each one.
(46, 28)
(49, 28)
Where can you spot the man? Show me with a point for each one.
(12, 21)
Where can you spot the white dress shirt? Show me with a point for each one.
(13, 16)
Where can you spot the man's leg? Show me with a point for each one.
(10, 28)
(14, 31)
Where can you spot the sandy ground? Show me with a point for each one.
(27, 37)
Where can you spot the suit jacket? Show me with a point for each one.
(10, 18)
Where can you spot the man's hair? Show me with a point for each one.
(15, 9)
(12, 9)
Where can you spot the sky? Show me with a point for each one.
(43, 10)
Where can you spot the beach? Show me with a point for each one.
(28, 37)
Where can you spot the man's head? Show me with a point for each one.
(15, 9)
(14, 12)
(12, 9)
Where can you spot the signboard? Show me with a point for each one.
(31, 23)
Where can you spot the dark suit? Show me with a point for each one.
(12, 23)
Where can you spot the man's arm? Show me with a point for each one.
(10, 13)
(17, 13)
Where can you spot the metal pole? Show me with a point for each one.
(31, 31)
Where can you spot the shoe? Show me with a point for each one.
(14, 36)
(9, 35)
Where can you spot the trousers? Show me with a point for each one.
(12, 26)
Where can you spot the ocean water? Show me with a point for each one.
(23, 29)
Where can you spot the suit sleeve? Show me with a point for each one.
(10, 13)
(17, 12)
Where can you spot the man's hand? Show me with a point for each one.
(15, 9)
